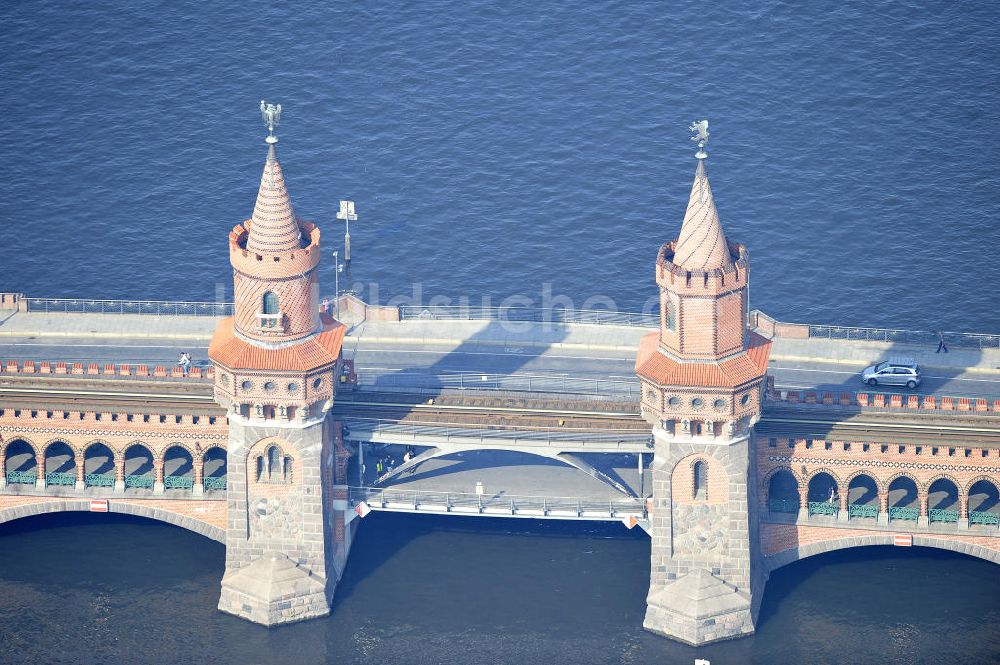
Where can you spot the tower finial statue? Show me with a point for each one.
(701, 128)
(271, 115)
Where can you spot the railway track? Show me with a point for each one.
(496, 411)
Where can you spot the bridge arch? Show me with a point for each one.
(60, 459)
(20, 457)
(780, 559)
(819, 484)
(943, 493)
(903, 491)
(7, 443)
(149, 512)
(982, 494)
(862, 489)
(896, 476)
(765, 482)
(989, 479)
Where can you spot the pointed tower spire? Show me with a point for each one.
(273, 227)
(701, 244)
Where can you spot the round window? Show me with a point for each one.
(697, 402)
(674, 401)
(745, 399)
(293, 387)
(720, 404)
(651, 395)
(269, 386)
(246, 385)
(318, 382)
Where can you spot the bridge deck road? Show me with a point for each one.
(441, 348)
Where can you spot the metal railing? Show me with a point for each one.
(822, 508)
(154, 307)
(630, 390)
(783, 505)
(531, 314)
(483, 435)
(99, 480)
(903, 513)
(496, 504)
(942, 515)
(983, 517)
(922, 337)
(144, 481)
(57, 478)
(22, 477)
(862, 510)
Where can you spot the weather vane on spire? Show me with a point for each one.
(271, 115)
(701, 128)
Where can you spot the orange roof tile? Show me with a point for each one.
(322, 349)
(651, 364)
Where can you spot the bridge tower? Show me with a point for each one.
(701, 378)
(276, 364)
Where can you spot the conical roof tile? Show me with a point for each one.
(273, 227)
(702, 244)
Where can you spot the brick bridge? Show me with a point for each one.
(746, 474)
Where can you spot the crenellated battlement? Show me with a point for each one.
(276, 265)
(702, 282)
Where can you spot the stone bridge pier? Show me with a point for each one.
(701, 377)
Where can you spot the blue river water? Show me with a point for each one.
(498, 150)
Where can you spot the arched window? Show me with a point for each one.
(261, 477)
(700, 480)
(671, 316)
(270, 303)
(273, 463)
(269, 314)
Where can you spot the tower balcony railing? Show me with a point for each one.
(271, 324)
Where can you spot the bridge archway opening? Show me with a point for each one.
(98, 459)
(138, 467)
(862, 491)
(984, 497)
(822, 487)
(942, 495)
(20, 463)
(60, 464)
(783, 492)
(903, 493)
(214, 468)
(178, 469)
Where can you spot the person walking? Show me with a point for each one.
(941, 345)
(184, 363)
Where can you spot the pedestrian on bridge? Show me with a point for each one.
(941, 344)
(185, 362)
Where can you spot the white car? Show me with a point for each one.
(893, 372)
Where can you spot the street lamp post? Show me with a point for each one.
(336, 280)
(347, 214)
